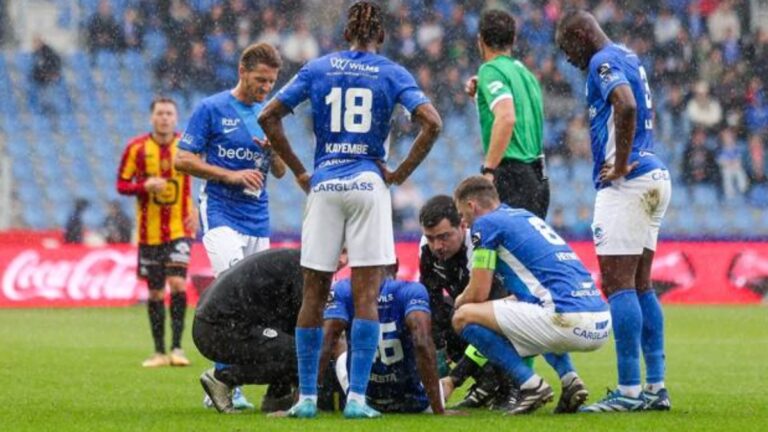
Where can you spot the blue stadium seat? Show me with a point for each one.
(758, 196)
(705, 195)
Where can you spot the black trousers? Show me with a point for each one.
(523, 185)
(255, 355)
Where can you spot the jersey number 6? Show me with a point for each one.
(390, 350)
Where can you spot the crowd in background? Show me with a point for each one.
(705, 64)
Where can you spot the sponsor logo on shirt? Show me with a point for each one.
(495, 86)
(566, 256)
(239, 154)
(187, 138)
(227, 122)
(476, 239)
(343, 187)
(592, 112)
(386, 298)
(604, 71)
(343, 64)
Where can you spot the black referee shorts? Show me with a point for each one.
(255, 355)
(523, 185)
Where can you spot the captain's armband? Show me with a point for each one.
(484, 259)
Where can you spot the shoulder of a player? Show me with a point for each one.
(137, 141)
(408, 291)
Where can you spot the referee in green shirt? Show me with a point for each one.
(511, 118)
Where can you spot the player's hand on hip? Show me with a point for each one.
(304, 180)
(470, 87)
(155, 184)
(609, 172)
(386, 174)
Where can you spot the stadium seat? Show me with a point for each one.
(758, 195)
(704, 195)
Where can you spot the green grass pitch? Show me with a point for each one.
(78, 370)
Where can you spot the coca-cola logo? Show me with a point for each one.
(97, 275)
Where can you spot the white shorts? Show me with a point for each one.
(534, 330)
(357, 212)
(628, 214)
(225, 247)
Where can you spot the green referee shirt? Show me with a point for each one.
(507, 78)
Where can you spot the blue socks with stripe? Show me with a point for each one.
(498, 350)
(364, 339)
(627, 327)
(652, 337)
(561, 363)
(309, 343)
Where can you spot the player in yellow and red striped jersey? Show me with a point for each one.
(166, 221)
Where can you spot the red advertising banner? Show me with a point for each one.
(32, 275)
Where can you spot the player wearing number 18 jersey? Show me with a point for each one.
(634, 190)
(353, 94)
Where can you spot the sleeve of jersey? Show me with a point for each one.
(126, 173)
(493, 86)
(609, 76)
(485, 241)
(195, 138)
(297, 89)
(337, 307)
(409, 94)
(415, 298)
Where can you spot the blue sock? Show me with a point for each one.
(498, 350)
(309, 342)
(627, 326)
(652, 339)
(560, 363)
(365, 340)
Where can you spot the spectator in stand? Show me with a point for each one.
(225, 66)
(756, 115)
(557, 222)
(170, 71)
(133, 30)
(711, 70)
(200, 70)
(104, 32)
(756, 160)
(406, 202)
(577, 140)
(270, 29)
(404, 49)
(731, 48)
(723, 20)
(117, 225)
(46, 72)
(300, 46)
(180, 26)
(666, 28)
(732, 172)
(756, 53)
(74, 229)
(704, 111)
(699, 165)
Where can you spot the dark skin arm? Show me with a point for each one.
(431, 124)
(271, 122)
(420, 326)
(624, 113)
(332, 331)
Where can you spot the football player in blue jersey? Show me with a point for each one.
(633, 192)
(553, 306)
(404, 374)
(224, 146)
(353, 94)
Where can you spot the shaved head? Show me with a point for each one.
(579, 36)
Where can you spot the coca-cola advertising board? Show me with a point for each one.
(80, 276)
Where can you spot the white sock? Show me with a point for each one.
(631, 391)
(357, 397)
(654, 387)
(531, 383)
(567, 378)
(303, 397)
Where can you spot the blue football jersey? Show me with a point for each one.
(394, 384)
(224, 131)
(353, 95)
(535, 263)
(611, 67)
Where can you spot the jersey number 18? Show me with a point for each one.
(357, 109)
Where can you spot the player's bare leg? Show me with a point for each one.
(364, 338)
(652, 337)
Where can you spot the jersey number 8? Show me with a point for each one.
(357, 109)
(546, 232)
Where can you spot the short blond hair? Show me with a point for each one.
(477, 188)
(260, 53)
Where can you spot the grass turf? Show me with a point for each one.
(79, 370)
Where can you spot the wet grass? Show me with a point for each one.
(79, 370)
